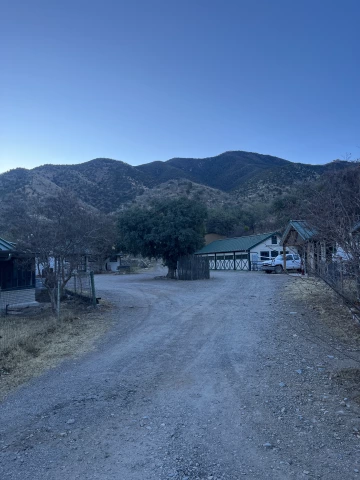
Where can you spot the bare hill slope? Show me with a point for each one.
(108, 185)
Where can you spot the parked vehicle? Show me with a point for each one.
(293, 262)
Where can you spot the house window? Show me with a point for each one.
(17, 273)
(274, 240)
(274, 253)
(264, 255)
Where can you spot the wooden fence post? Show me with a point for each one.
(93, 294)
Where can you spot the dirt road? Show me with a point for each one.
(196, 380)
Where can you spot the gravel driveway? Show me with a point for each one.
(196, 380)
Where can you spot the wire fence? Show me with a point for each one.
(343, 277)
(13, 297)
(82, 285)
(27, 313)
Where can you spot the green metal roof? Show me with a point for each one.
(305, 231)
(237, 244)
(6, 246)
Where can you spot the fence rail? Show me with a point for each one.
(193, 267)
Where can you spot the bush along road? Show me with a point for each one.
(216, 379)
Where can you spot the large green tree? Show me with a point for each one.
(234, 221)
(165, 229)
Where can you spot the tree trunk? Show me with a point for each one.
(53, 298)
(171, 272)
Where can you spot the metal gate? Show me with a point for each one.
(241, 261)
(226, 261)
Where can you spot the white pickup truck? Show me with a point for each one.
(293, 262)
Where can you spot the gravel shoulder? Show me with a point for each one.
(218, 379)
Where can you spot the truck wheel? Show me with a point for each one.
(267, 271)
(278, 269)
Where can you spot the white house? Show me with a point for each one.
(242, 253)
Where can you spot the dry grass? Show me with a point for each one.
(31, 344)
(330, 309)
(19, 330)
(334, 323)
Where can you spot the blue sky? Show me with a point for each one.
(146, 80)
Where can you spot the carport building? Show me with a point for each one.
(242, 253)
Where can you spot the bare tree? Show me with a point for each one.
(332, 208)
(62, 232)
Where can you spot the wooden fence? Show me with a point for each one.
(193, 267)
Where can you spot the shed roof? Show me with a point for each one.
(237, 244)
(305, 231)
(6, 246)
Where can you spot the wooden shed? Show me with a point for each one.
(313, 250)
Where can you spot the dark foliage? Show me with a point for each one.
(167, 229)
(230, 221)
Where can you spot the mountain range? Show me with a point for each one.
(109, 185)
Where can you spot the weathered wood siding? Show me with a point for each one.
(193, 267)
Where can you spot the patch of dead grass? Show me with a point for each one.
(338, 322)
(30, 345)
(330, 309)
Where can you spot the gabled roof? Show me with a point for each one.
(304, 230)
(237, 244)
(6, 246)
